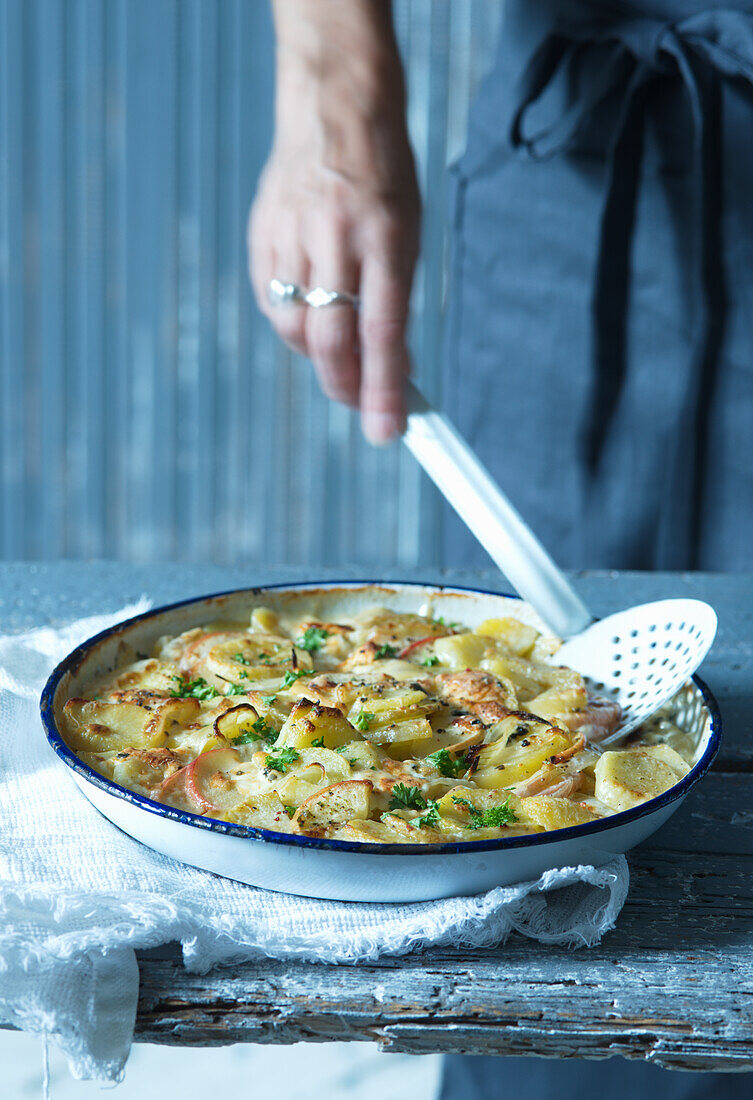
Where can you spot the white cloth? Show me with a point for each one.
(78, 897)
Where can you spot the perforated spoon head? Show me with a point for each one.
(641, 657)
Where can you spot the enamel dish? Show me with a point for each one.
(337, 869)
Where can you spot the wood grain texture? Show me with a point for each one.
(673, 983)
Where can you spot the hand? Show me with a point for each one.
(338, 207)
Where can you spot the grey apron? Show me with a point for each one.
(600, 336)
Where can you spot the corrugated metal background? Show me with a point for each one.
(147, 410)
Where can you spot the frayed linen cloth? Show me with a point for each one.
(78, 897)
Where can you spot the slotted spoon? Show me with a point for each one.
(639, 657)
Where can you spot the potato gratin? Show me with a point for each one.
(390, 727)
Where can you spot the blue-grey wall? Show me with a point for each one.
(147, 410)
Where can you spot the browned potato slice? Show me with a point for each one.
(311, 722)
(137, 720)
(333, 806)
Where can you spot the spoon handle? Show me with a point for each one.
(483, 507)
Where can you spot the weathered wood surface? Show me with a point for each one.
(673, 982)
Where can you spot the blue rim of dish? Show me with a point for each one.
(247, 832)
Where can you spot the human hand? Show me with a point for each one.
(338, 207)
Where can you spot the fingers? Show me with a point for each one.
(284, 259)
(385, 363)
(332, 332)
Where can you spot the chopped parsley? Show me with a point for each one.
(313, 638)
(260, 731)
(430, 818)
(493, 818)
(235, 689)
(289, 810)
(291, 677)
(342, 748)
(282, 759)
(383, 651)
(317, 743)
(363, 720)
(430, 662)
(445, 764)
(194, 689)
(408, 798)
(449, 625)
(241, 659)
(268, 700)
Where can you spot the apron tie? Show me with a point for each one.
(600, 76)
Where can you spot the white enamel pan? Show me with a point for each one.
(337, 869)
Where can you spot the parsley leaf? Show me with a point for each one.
(289, 810)
(268, 699)
(363, 720)
(195, 689)
(317, 743)
(313, 638)
(430, 818)
(492, 818)
(282, 759)
(409, 798)
(291, 677)
(430, 662)
(235, 689)
(342, 748)
(445, 764)
(260, 731)
(383, 651)
(241, 659)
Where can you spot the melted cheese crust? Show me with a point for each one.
(387, 727)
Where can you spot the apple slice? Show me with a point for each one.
(175, 793)
(208, 782)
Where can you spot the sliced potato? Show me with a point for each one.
(377, 832)
(670, 757)
(336, 764)
(559, 702)
(264, 621)
(296, 787)
(413, 730)
(628, 778)
(309, 722)
(554, 813)
(261, 811)
(517, 637)
(382, 706)
(517, 761)
(362, 755)
(139, 719)
(333, 806)
(254, 657)
(150, 675)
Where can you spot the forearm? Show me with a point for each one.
(338, 67)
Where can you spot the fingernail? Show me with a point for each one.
(381, 428)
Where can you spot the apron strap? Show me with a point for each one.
(614, 66)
